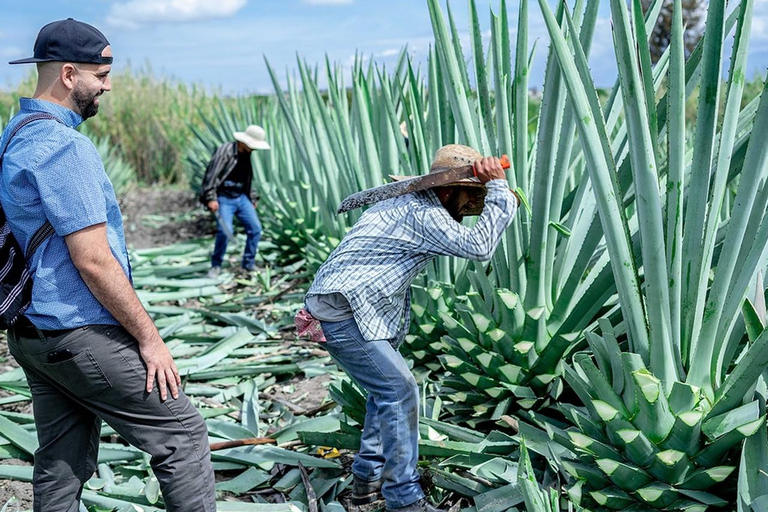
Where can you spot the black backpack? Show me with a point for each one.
(15, 281)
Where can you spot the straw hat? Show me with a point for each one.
(254, 137)
(456, 155)
(449, 156)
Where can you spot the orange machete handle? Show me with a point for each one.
(505, 164)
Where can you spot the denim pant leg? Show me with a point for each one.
(227, 209)
(369, 461)
(383, 372)
(63, 463)
(107, 376)
(248, 217)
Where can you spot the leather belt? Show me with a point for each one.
(25, 329)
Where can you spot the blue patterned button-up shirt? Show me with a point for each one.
(50, 171)
(393, 241)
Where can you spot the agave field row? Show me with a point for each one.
(614, 318)
(610, 356)
(248, 378)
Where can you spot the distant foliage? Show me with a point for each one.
(148, 118)
(694, 18)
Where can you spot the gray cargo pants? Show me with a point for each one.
(104, 378)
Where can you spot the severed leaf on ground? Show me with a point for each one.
(244, 482)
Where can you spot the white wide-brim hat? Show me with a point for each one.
(254, 137)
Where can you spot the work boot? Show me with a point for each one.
(423, 505)
(365, 492)
(213, 272)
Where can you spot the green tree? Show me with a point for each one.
(694, 16)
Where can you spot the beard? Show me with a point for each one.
(85, 101)
(454, 205)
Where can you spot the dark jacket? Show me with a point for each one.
(221, 165)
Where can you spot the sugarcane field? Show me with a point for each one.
(397, 256)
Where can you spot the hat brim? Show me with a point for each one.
(28, 60)
(468, 183)
(476, 204)
(250, 141)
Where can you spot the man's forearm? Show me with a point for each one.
(500, 208)
(478, 243)
(109, 284)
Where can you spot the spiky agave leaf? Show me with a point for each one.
(550, 263)
(676, 405)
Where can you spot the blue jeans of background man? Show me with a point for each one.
(242, 208)
(389, 445)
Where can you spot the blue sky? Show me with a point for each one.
(221, 43)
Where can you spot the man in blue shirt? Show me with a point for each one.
(88, 348)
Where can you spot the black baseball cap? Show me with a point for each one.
(68, 41)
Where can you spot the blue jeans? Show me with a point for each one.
(242, 208)
(389, 447)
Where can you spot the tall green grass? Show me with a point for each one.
(148, 118)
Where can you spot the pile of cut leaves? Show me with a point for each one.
(283, 421)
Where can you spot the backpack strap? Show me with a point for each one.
(46, 229)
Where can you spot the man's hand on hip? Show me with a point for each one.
(160, 368)
(213, 205)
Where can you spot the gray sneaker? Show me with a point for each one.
(213, 272)
(365, 492)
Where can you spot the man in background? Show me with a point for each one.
(226, 191)
(88, 348)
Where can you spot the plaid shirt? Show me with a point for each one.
(393, 241)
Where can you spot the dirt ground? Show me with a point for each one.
(21, 492)
(154, 217)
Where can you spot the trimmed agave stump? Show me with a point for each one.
(429, 304)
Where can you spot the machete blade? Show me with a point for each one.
(435, 178)
(407, 186)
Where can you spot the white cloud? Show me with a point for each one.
(139, 12)
(12, 52)
(392, 52)
(759, 36)
(328, 2)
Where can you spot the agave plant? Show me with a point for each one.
(668, 394)
(551, 279)
(694, 13)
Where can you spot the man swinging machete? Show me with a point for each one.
(359, 303)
